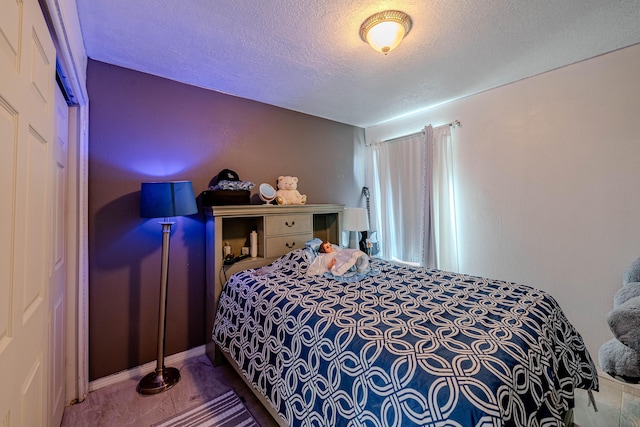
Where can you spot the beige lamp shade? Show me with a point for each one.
(355, 219)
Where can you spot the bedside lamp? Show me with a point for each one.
(164, 200)
(355, 220)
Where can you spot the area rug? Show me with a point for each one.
(226, 410)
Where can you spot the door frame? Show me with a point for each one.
(62, 18)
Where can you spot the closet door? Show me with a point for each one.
(27, 81)
(58, 278)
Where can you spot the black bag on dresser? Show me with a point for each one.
(216, 196)
(225, 197)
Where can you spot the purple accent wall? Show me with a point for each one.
(146, 128)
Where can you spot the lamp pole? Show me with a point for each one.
(164, 200)
(162, 378)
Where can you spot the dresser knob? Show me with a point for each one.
(289, 225)
(290, 245)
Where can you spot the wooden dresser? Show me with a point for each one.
(280, 229)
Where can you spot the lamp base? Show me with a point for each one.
(353, 240)
(158, 381)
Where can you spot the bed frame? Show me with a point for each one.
(279, 228)
(274, 414)
(325, 227)
(219, 356)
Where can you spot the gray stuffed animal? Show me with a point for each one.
(628, 291)
(633, 273)
(620, 361)
(620, 357)
(624, 322)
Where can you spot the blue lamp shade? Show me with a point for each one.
(166, 199)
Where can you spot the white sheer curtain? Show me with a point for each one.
(412, 198)
(442, 219)
(397, 198)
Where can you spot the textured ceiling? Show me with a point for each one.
(307, 56)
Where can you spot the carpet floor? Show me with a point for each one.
(120, 404)
(226, 410)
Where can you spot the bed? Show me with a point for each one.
(403, 346)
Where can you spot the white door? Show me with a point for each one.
(57, 286)
(27, 81)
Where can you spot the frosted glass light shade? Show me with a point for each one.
(385, 30)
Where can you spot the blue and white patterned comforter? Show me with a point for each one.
(409, 346)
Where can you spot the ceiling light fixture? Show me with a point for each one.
(385, 30)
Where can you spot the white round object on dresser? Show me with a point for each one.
(267, 193)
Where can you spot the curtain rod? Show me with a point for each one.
(453, 124)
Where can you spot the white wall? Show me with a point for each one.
(548, 182)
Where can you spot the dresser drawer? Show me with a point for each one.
(277, 246)
(277, 225)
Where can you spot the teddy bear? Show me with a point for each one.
(620, 357)
(287, 193)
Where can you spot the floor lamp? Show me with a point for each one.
(355, 220)
(164, 200)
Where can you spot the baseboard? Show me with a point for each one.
(140, 371)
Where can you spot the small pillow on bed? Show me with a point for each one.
(311, 249)
(313, 245)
